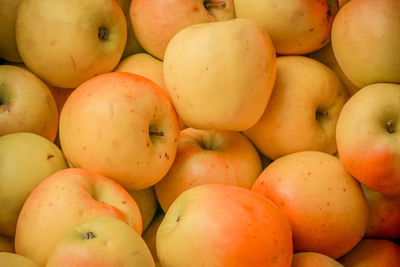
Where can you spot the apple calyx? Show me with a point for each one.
(321, 114)
(103, 33)
(210, 4)
(390, 126)
(88, 235)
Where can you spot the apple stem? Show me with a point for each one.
(160, 133)
(88, 235)
(210, 3)
(390, 126)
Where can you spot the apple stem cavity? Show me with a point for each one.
(160, 133)
(103, 33)
(88, 235)
(321, 114)
(210, 4)
(390, 126)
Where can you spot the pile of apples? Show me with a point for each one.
(210, 133)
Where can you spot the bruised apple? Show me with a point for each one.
(223, 225)
(230, 77)
(122, 126)
(64, 199)
(325, 205)
(206, 156)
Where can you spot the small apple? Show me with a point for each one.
(147, 202)
(222, 226)
(26, 160)
(325, 205)
(8, 259)
(70, 41)
(220, 75)
(8, 44)
(209, 157)
(373, 252)
(64, 199)
(122, 126)
(367, 49)
(156, 22)
(367, 137)
(26, 104)
(100, 241)
(296, 27)
(302, 111)
(309, 259)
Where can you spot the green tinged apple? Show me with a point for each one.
(26, 159)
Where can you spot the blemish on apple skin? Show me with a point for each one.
(166, 156)
(50, 156)
(123, 202)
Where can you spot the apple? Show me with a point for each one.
(6, 244)
(64, 199)
(26, 160)
(296, 27)
(122, 126)
(384, 212)
(147, 202)
(302, 111)
(366, 49)
(8, 259)
(309, 259)
(373, 252)
(326, 207)
(70, 41)
(132, 45)
(207, 156)
(8, 44)
(223, 225)
(100, 241)
(145, 65)
(325, 55)
(367, 135)
(156, 22)
(220, 75)
(18, 111)
(150, 234)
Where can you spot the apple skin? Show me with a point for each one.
(146, 200)
(79, 39)
(122, 126)
(8, 259)
(324, 204)
(308, 259)
(150, 234)
(209, 157)
(296, 27)
(384, 210)
(303, 109)
(100, 241)
(368, 50)
(235, 89)
(65, 198)
(373, 252)
(156, 22)
(26, 160)
(367, 135)
(223, 225)
(6, 244)
(18, 113)
(8, 44)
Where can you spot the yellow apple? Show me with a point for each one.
(14, 260)
(310, 259)
(296, 27)
(155, 22)
(147, 202)
(366, 41)
(205, 157)
(100, 241)
(26, 104)
(303, 109)
(220, 75)
(8, 43)
(122, 126)
(26, 160)
(367, 137)
(70, 41)
(64, 199)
